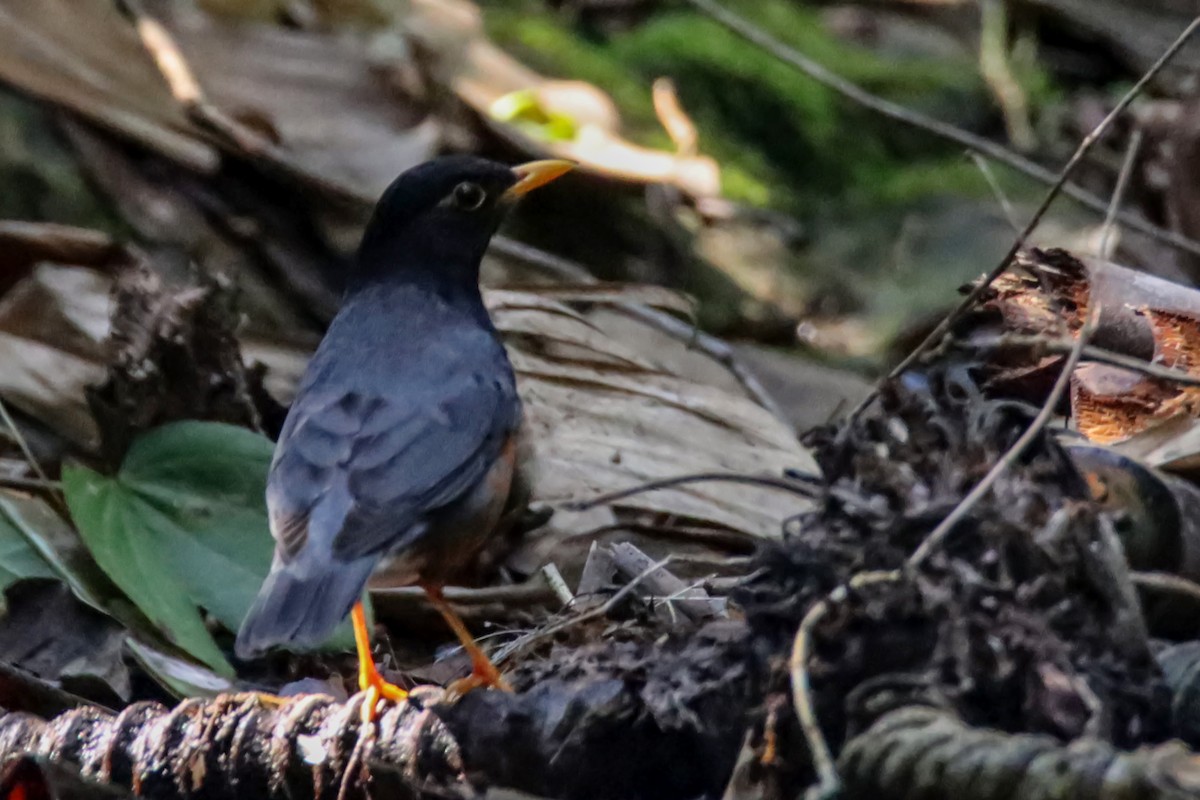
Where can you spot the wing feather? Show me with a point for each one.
(371, 468)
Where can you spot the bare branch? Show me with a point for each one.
(766, 481)
(1010, 213)
(1090, 352)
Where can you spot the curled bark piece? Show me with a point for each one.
(922, 752)
(237, 746)
(1140, 316)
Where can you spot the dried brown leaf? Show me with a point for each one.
(48, 384)
(597, 429)
(604, 416)
(96, 66)
(318, 96)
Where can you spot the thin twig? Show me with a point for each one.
(827, 776)
(181, 80)
(678, 596)
(985, 169)
(818, 748)
(946, 526)
(517, 595)
(1047, 410)
(521, 644)
(1166, 582)
(555, 579)
(19, 438)
(673, 118)
(1131, 152)
(997, 73)
(1094, 727)
(980, 287)
(19, 482)
(718, 537)
(992, 150)
(1090, 353)
(767, 481)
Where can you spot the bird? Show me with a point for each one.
(399, 449)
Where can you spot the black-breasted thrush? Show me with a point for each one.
(399, 448)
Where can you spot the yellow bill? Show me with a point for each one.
(537, 173)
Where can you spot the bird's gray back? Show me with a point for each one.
(394, 419)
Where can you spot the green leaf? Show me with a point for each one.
(60, 547)
(183, 526)
(109, 517)
(64, 551)
(18, 559)
(203, 484)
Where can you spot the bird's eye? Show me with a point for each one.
(469, 196)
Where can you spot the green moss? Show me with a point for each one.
(955, 176)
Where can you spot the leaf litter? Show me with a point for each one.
(1024, 622)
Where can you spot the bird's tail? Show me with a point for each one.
(300, 606)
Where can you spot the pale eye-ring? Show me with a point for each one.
(469, 196)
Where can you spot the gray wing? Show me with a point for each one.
(358, 473)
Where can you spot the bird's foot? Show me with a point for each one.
(483, 673)
(375, 689)
(370, 682)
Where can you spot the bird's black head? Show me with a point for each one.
(434, 222)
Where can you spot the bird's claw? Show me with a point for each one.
(482, 675)
(374, 689)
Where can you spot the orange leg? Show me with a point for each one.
(483, 671)
(369, 679)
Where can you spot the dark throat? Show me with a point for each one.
(437, 256)
(428, 259)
